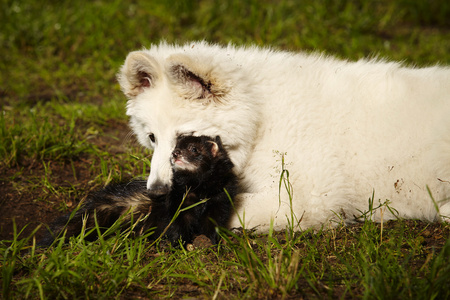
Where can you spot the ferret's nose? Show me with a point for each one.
(176, 153)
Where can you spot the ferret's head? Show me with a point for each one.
(195, 154)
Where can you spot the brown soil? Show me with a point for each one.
(26, 201)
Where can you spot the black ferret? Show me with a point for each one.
(202, 170)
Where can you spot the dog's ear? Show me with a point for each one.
(196, 80)
(139, 72)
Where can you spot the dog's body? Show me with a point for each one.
(343, 130)
(201, 170)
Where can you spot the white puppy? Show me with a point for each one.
(333, 132)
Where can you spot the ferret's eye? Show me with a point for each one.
(193, 149)
(151, 136)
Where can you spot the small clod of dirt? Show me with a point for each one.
(201, 242)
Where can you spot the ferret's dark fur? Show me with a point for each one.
(201, 170)
(106, 206)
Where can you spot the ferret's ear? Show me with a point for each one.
(214, 148)
(218, 140)
(139, 72)
(195, 80)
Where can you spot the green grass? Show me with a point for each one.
(343, 262)
(63, 133)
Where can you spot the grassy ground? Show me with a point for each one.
(63, 133)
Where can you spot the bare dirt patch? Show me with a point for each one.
(26, 199)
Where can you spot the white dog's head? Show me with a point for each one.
(189, 90)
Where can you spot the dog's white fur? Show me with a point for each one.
(343, 130)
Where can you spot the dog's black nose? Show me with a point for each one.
(158, 189)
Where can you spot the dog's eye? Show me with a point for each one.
(151, 136)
